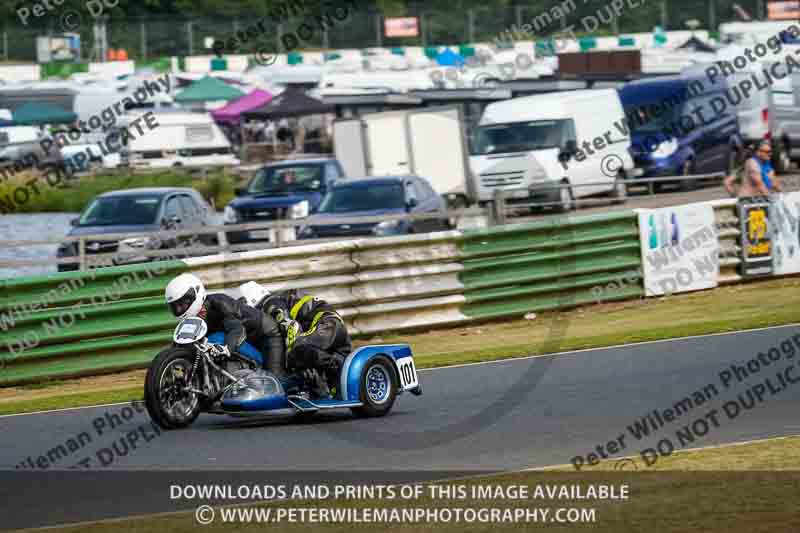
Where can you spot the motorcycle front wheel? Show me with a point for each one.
(168, 403)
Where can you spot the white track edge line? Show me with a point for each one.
(495, 361)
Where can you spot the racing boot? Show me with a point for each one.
(318, 388)
(275, 366)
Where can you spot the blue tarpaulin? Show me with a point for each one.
(448, 58)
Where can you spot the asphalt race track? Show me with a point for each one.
(506, 415)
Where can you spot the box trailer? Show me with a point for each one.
(428, 142)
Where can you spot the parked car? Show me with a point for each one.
(289, 189)
(138, 211)
(675, 141)
(376, 196)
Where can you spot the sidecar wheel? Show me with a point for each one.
(169, 407)
(377, 387)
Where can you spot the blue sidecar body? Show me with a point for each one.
(370, 380)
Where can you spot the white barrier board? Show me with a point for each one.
(784, 223)
(680, 249)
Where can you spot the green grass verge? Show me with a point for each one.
(692, 492)
(732, 308)
(71, 400)
(73, 195)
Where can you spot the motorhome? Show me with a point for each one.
(180, 139)
(750, 33)
(22, 145)
(527, 145)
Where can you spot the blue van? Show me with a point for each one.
(682, 125)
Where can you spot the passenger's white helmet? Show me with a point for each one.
(253, 293)
(185, 296)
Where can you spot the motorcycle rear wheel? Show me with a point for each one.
(168, 405)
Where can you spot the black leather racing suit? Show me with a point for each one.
(324, 342)
(241, 322)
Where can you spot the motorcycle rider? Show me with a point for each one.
(186, 297)
(317, 340)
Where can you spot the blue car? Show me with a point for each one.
(376, 196)
(681, 125)
(280, 191)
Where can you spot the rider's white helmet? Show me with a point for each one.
(185, 296)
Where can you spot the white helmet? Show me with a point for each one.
(253, 293)
(185, 296)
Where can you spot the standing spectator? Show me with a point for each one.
(757, 177)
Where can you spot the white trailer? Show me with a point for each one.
(428, 142)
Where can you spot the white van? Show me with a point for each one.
(526, 145)
(181, 139)
(784, 122)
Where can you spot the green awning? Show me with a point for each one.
(208, 89)
(42, 113)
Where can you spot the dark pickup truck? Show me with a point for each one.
(280, 191)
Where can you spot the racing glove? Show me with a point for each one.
(292, 329)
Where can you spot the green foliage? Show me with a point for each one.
(73, 195)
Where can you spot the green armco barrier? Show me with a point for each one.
(110, 319)
(26, 294)
(75, 323)
(552, 264)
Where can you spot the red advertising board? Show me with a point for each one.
(401, 27)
